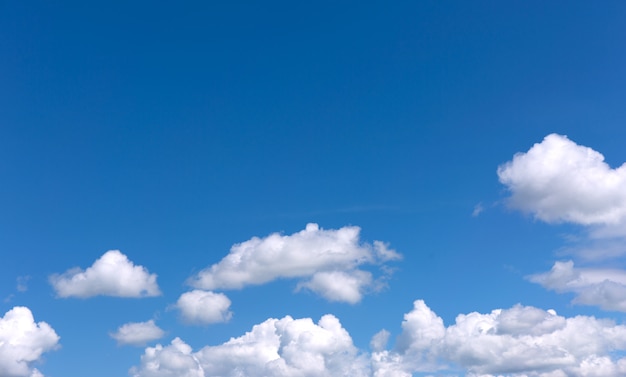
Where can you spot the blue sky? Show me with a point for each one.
(416, 188)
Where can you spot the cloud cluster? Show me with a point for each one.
(277, 347)
(558, 180)
(113, 274)
(137, 333)
(22, 342)
(327, 260)
(204, 307)
(519, 341)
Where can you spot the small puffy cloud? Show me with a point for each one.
(113, 274)
(22, 342)
(313, 254)
(558, 180)
(284, 347)
(204, 307)
(520, 341)
(137, 333)
(603, 287)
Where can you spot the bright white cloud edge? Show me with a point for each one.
(23, 342)
(313, 254)
(519, 341)
(113, 274)
(137, 333)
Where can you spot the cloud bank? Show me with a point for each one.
(327, 260)
(137, 333)
(113, 274)
(515, 342)
(22, 343)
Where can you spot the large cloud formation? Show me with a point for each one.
(22, 342)
(558, 180)
(277, 347)
(328, 260)
(113, 274)
(515, 342)
(520, 341)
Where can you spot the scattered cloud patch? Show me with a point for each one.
(558, 180)
(22, 343)
(277, 347)
(313, 254)
(113, 274)
(204, 307)
(603, 287)
(137, 333)
(478, 209)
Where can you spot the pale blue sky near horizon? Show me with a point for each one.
(172, 132)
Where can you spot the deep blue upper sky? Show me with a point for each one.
(173, 131)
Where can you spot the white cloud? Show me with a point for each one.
(111, 275)
(284, 347)
(175, 360)
(204, 307)
(603, 287)
(137, 333)
(520, 341)
(22, 342)
(311, 253)
(560, 181)
(339, 285)
(379, 341)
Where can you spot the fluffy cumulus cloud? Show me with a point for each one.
(22, 342)
(520, 341)
(204, 307)
(558, 180)
(137, 333)
(603, 287)
(515, 342)
(113, 274)
(327, 260)
(277, 347)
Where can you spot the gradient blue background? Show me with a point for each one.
(172, 131)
